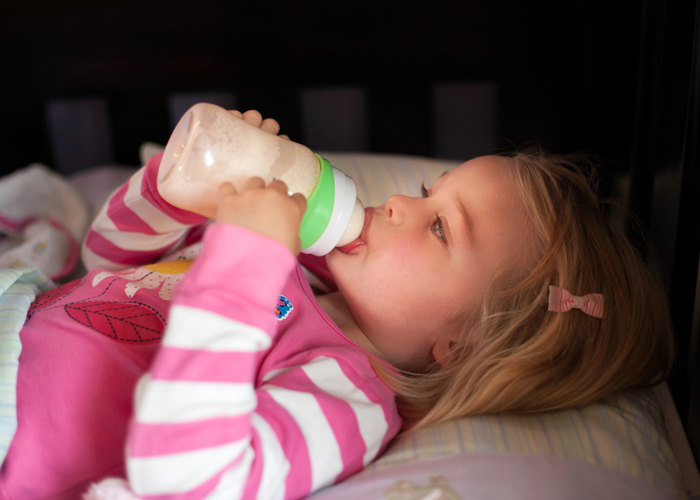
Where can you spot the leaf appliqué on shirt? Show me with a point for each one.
(52, 296)
(121, 321)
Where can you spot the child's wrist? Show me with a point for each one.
(153, 195)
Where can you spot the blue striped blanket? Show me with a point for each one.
(18, 289)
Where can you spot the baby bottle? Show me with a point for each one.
(210, 146)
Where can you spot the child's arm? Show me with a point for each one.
(200, 426)
(136, 226)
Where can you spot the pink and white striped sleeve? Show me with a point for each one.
(202, 430)
(136, 226)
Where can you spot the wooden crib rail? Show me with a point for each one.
(463, 121)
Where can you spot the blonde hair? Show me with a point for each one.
(518, 357)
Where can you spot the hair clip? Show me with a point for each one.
(561, 300)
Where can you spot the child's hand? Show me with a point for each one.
(254, 118)
(269, 210)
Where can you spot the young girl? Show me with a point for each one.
(260, 389)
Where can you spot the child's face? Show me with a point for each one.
(426, 261)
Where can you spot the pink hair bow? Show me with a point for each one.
(561, 300)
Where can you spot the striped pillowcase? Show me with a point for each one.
(624, 433)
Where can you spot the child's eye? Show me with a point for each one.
(437, 228)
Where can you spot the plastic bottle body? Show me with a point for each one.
(210, 146)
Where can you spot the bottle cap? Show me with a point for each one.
(328, 212)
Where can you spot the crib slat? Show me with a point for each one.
(464, 119)
(180, 102)
(644, 158)
(334, 119)
(80, 133)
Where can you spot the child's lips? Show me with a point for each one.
(362, 239)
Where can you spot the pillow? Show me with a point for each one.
(617, 448)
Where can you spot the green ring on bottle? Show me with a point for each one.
(319, 206)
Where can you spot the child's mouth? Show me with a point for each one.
(362, 239)
(352, 245)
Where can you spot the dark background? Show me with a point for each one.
(567, 71)
(604, 76)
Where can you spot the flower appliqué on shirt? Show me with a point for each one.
(284, 307)
(164, 275)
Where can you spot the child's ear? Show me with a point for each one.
(442, 350)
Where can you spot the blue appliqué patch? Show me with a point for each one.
(284, 307)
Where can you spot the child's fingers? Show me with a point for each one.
(270, 125)
(269, 211)
(227, 189)
(300, 200)
(253, 117)
(254, 183)
(279, 186)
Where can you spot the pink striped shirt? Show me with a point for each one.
(253, 391)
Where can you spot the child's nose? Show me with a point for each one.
(396, 207)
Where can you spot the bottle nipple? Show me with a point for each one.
(357, 221)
